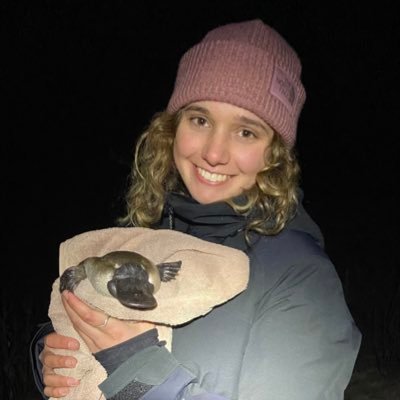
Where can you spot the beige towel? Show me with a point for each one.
(210, 275)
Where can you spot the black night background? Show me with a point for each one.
(81, 79)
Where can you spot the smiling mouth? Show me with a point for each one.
(211, 176)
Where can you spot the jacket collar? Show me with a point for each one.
(216, 222)
(219, 223)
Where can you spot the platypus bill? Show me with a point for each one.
(126, 275)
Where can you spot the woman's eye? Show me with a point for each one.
(247, 134)
(199, 121)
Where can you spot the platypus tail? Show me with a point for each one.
(71, 277)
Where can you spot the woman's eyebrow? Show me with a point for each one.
(253, 122)
(240, 118)
(197, 108)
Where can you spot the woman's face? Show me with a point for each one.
(219, 149)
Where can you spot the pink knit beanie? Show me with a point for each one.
(247, 64)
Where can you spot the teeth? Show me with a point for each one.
(212, 177)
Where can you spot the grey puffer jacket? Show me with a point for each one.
(288, 336)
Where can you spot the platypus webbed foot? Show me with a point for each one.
(71, 277)
(169, 270)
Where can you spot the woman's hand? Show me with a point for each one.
(98, 330)
(57, 385)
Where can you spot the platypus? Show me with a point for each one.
(126, 275)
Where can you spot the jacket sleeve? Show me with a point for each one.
(36, 347)
(303, 342)
(153, 374)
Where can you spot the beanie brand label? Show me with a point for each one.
(283, 88)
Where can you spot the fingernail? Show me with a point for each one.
(70, 363)
(65, 294)
(63, 391)
(72, 382)
(73, 345)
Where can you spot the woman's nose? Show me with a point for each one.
(216, 149)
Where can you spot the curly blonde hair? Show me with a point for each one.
(272, 201)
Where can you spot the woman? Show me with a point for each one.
(219, 164)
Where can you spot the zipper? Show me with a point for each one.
(171, 217)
